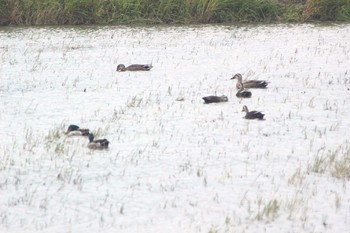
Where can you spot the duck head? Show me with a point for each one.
(121, 67)
(238, 77)
(245, 109)
(224, 98)
(72, 128)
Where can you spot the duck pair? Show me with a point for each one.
(134, 67)
(74, 130)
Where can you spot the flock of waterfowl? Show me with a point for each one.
(241, 93)
(74, 130)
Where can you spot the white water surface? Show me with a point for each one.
(174, 166)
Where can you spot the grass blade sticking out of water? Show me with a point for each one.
(341, 167)
(336, 162)
(319, 165)
(270, 210)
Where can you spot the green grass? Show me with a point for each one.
(331, 10)
(58, 12)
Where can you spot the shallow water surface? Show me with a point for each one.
(175, 166)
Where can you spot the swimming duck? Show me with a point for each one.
(134, 67)
(74, 130)
(249, 83)
(243, 93)
(252, 114)
(97, 144)
(215, 99)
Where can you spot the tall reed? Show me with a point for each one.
(248, 11)
(203, 11)
(330, 10)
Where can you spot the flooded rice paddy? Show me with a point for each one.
(175, 166)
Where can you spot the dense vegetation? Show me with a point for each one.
(53, 12)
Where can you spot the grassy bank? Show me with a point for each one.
(57, 12)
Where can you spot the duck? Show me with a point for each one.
(215, 99)
(74, 130)
(243, 93)
(134, 67)
(252, 114)
(97, 144)
(250, 83)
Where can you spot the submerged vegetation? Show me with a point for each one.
(55, 12)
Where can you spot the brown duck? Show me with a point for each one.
(243, 93)
(134, 67)
(215, 99)
(249, 83)
(74, 130)
(252, 114)
(97, 144)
